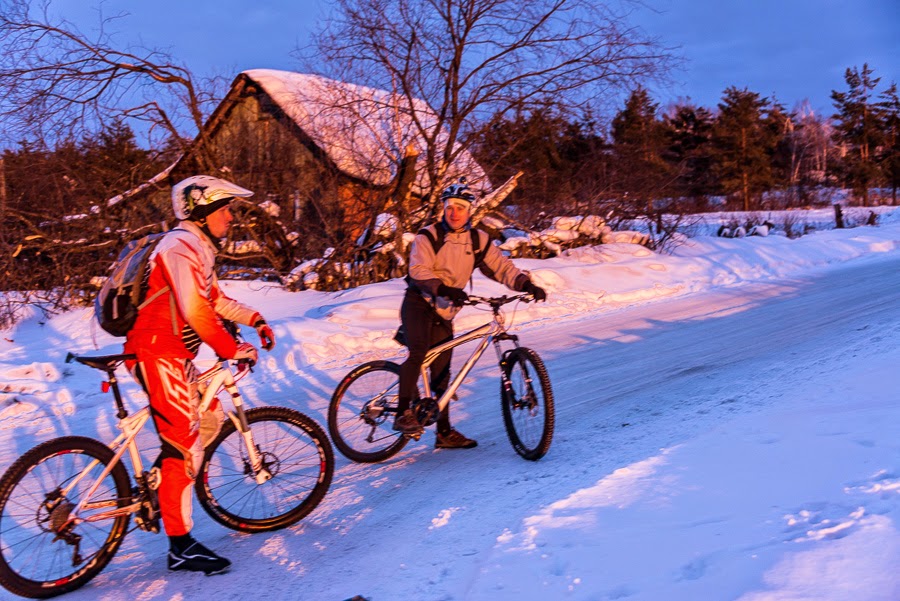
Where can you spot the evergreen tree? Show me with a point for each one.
(111, 162)
(745, 142)
(858, 129)
(688, 152)
(780, 126)
(561, 159)
(890, 156)
(638, 144)
(75, 176)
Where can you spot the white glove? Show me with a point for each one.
(247, 351)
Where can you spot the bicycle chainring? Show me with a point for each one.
(426, 411)
(148, 515)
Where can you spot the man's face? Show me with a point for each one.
(219, 221)
(457, 212)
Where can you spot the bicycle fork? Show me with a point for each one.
(258, 470)
(501, 360)
(508, 392)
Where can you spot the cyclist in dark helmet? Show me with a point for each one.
(441, 261)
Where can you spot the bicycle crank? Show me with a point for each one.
(426, 412)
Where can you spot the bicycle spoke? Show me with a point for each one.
(300, 471)
(362, 411)
(528, 411)
(37, 539)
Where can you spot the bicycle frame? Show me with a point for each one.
(492, 332)
(218, 377)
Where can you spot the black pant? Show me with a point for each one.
(424, 329)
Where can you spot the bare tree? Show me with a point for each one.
(471, 60)
(808, 142)
(56, 82)
(59, 88)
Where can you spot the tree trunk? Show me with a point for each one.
(746, 191)
(3, 189)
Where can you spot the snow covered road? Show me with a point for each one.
(703, 444)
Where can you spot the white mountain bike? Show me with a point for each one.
(65, 505)
(362, 409)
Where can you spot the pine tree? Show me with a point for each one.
(858, 129)
(890, 156)
(780, 125)
(638, 143)
(688, 152)
(561, 158)
(744, 142)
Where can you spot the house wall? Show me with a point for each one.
(259, 148)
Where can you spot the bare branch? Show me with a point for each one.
(57, 83)
(473, 59)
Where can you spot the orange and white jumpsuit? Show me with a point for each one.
(166, 337)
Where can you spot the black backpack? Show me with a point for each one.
(123, 293)
(438, 241)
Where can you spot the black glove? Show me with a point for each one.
(536, 291)
(457, 296)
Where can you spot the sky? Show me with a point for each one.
(789, 50)
(726, 421)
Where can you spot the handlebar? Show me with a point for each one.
(496, 302)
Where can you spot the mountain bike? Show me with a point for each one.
(363, 407)
(66, 504)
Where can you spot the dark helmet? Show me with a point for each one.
(458, 190)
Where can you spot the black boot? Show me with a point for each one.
(453, 440)
(187, 554)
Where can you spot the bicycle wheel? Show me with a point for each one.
(528, 404)
(295, 451)
(41, 554)
(362, 410)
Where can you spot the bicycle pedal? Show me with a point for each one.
(414, 436)
(147, 524)
(154, 477)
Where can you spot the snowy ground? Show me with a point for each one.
(726, 430)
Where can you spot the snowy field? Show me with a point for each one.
(727, 423)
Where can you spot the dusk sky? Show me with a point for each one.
(787, 49)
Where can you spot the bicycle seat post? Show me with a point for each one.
(121, 413)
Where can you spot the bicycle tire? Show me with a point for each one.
(361, 412)
(32, 563)
(295, 450)
(528, 414)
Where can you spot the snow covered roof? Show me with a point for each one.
(363, 130)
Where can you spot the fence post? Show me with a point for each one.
(838, 217)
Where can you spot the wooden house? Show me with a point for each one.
(327, 154)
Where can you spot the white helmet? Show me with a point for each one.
(199, 195)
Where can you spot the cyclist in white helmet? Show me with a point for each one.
(166, 337)
(441, 261)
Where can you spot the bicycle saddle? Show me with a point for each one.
(103, 362)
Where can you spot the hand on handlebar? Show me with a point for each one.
(266, 335)
(246, 351)
(457, 296)
(537, 292)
